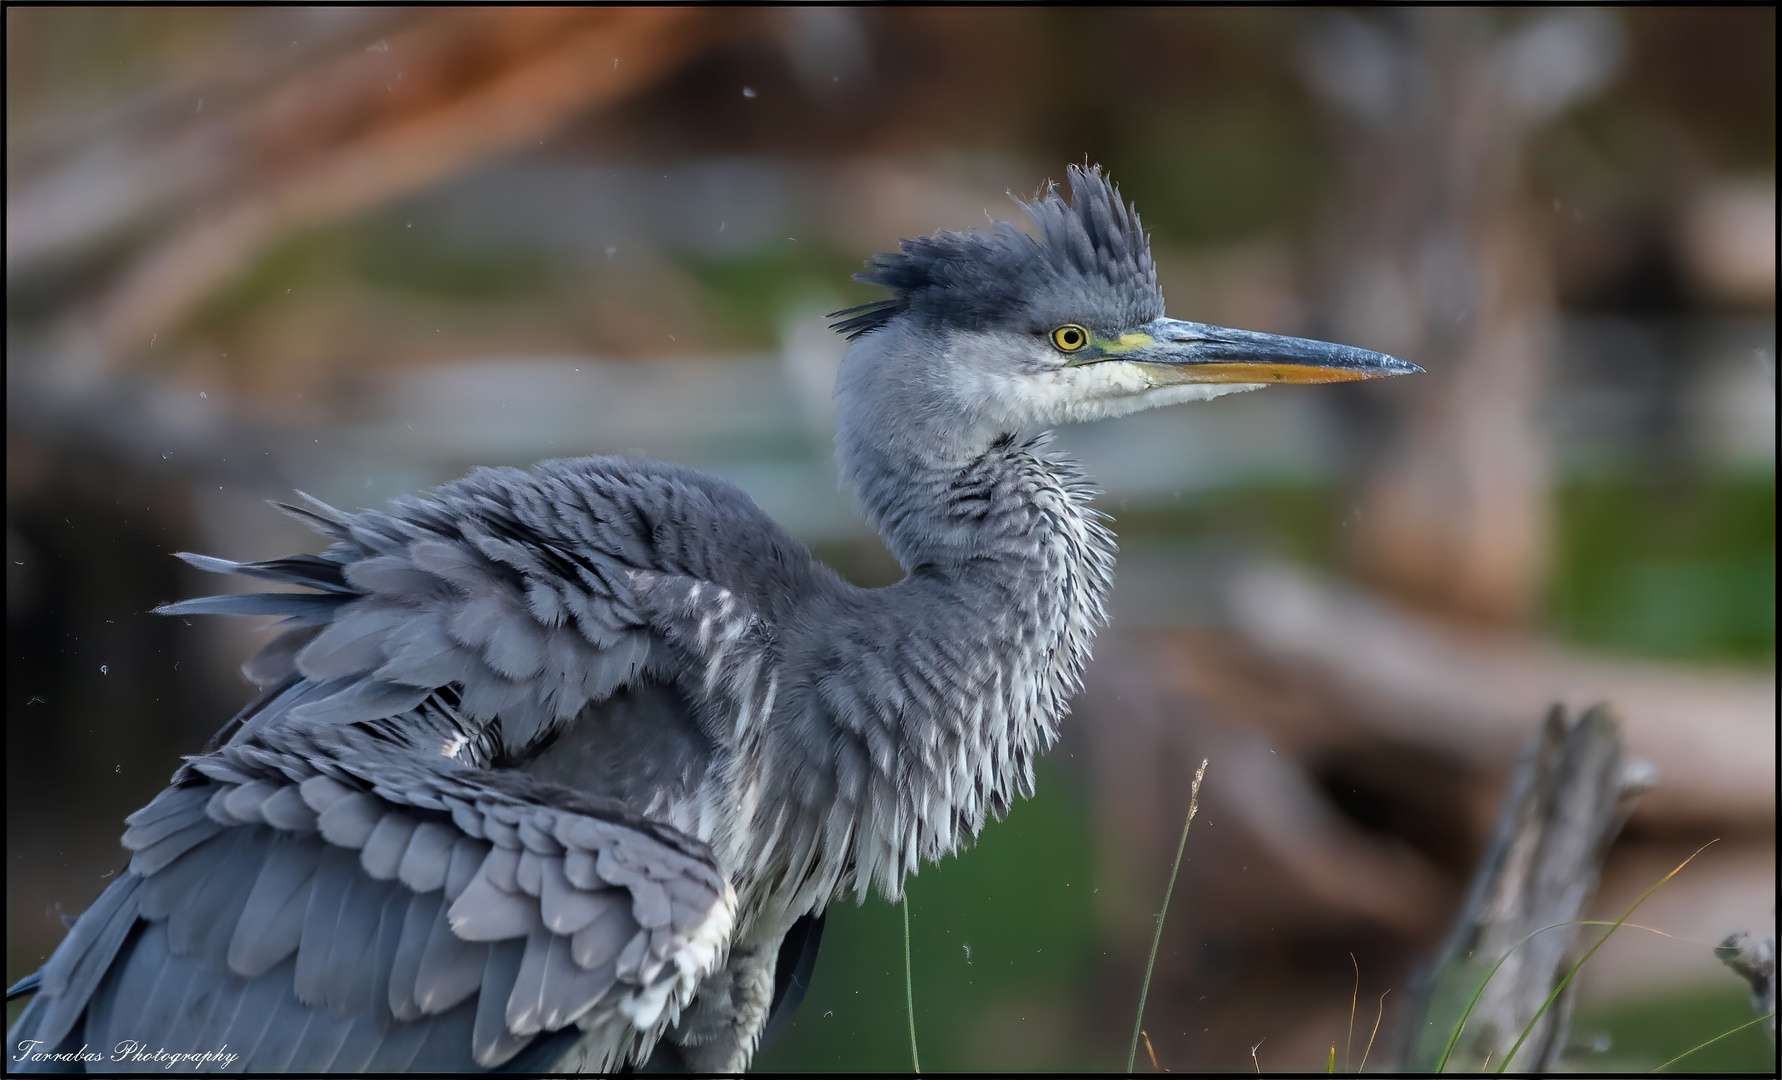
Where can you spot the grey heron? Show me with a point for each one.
(559, 768)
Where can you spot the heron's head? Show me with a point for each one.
(999, 331)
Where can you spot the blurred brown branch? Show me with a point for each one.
(1366, 752)
(1439, 257)
(1459, 692)
(374, 122)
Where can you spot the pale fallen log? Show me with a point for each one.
(1467, 695)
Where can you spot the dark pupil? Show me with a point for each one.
(1070, 337)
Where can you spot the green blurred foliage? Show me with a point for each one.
(1229, 168)
(391, 254)
(1682, 568)
(754, 291)
(1299, 521)
(310, 256)
(1642, 1035)
(387, 253)
(1002, 944)
(1219, 144)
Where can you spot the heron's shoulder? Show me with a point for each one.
(617, 514)
(649, 515)
(572, 492)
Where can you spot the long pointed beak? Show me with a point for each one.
(1196, 352)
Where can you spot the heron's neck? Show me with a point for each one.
(983, 643)
(938, 508)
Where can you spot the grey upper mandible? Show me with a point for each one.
(558, 769)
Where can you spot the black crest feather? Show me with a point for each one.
(1091, 264)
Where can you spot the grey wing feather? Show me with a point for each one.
(271, 923)
(385, 847)
(476, 621)
(565, 989)
(163, 1004)
(241, 1023)
(334, 874)
(314, 571)
(353, 642)
(171, 812)
(323, 1039)
(172, 885)
(525, 1005)
(359, 1041)
(604, 937)
(418, 919)
(302, 608)
(388, 940)
(348, 978)
(517, 590)
(317, 514)
(74, 970)
(426, 858)
(467, 855)
(492, 1040)
(288, 1024)
(361, 699)
(219, 897)
(360, 959)
(449, 969)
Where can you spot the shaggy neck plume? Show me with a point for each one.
(1010, 567)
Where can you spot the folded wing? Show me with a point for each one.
(314, 903)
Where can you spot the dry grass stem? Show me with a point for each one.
(1354, 997)
(1168, 891)
(1370, 1039)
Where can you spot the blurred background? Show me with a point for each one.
(358, 251)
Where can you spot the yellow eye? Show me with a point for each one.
(1070, 337)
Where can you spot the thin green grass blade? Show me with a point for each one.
(1712, 1041)
(1454, 1037)
(909, 990)
(1157, 937)
(1582, 960)
(1478, 992)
